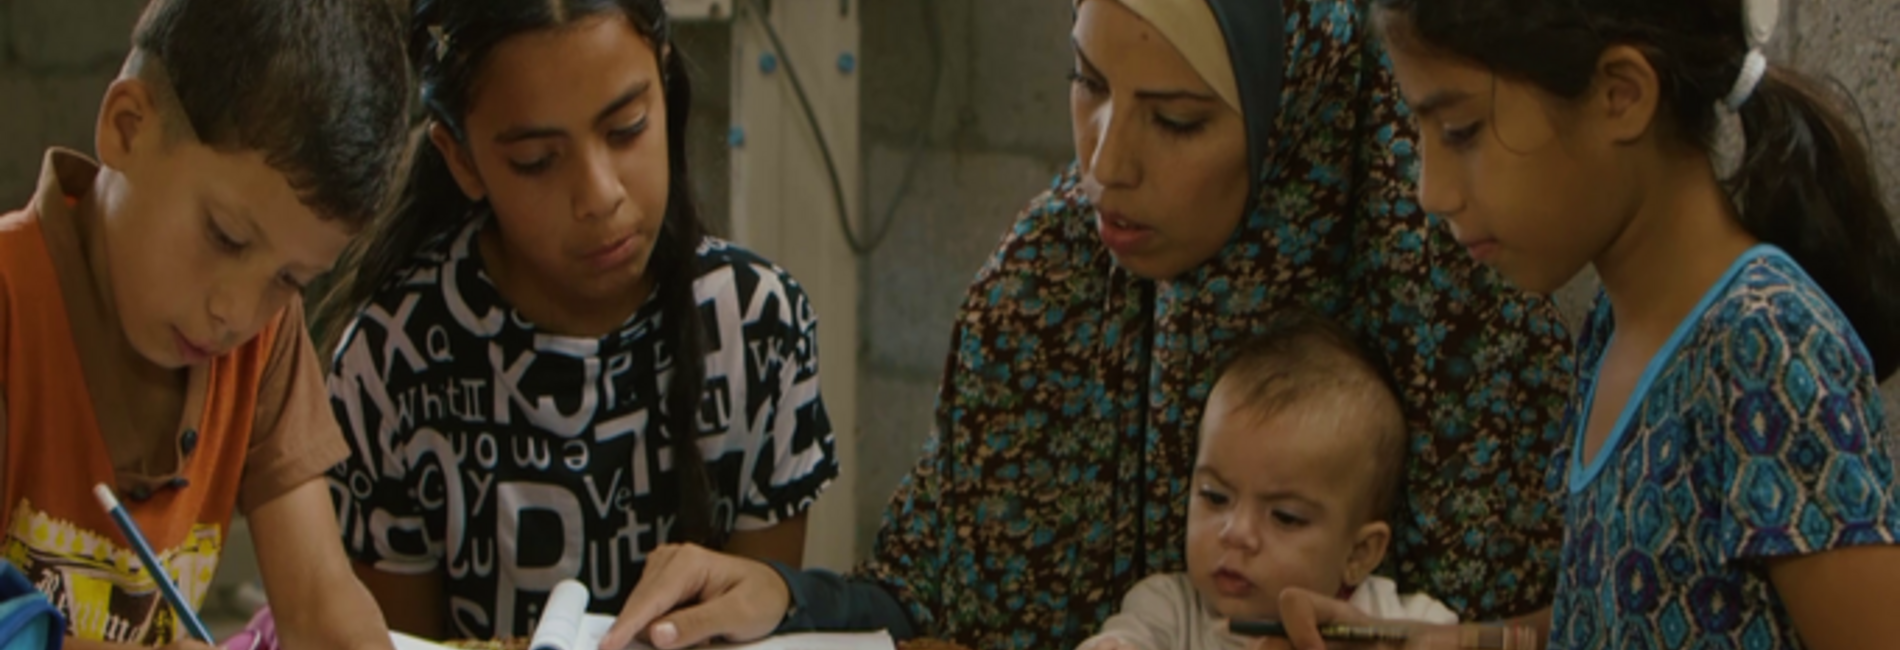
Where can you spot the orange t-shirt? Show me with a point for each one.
(256, 424)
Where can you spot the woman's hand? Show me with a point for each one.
(733, 598)
(1106, 642)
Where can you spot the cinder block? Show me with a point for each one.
(708, 50)
(897, 67)
(72, 33)
(7, 56)
(1854, 43)
(70, 108)
(1021, 93)
(1002, 66)
(893, 423)
(946, 226)
(20, 138)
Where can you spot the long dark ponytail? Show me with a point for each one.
(1805, 184)
(1808, 185)
(447, 41)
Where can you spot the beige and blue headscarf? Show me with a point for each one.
(1059, 474)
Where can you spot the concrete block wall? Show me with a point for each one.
(56, 59)
(998, 132)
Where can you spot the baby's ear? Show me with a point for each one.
(1368, 550)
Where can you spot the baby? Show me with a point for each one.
(1302, 450)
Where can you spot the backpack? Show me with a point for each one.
(28, 621)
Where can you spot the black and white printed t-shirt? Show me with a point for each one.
(510, 459)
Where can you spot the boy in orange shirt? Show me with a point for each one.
(151, 333)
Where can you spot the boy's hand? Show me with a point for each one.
(316, 600)
(188, 644)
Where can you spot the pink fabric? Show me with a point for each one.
(259, 634)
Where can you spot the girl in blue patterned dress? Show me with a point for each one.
(1726, 483)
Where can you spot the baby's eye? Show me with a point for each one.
(1213, 497)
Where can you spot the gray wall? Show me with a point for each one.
(998, 133)
(56, 58)
(1002, 128)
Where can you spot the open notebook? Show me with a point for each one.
(566, 625)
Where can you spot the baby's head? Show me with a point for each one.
(1302, 448)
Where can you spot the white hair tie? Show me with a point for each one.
(1759, 19)
(1753, 69)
